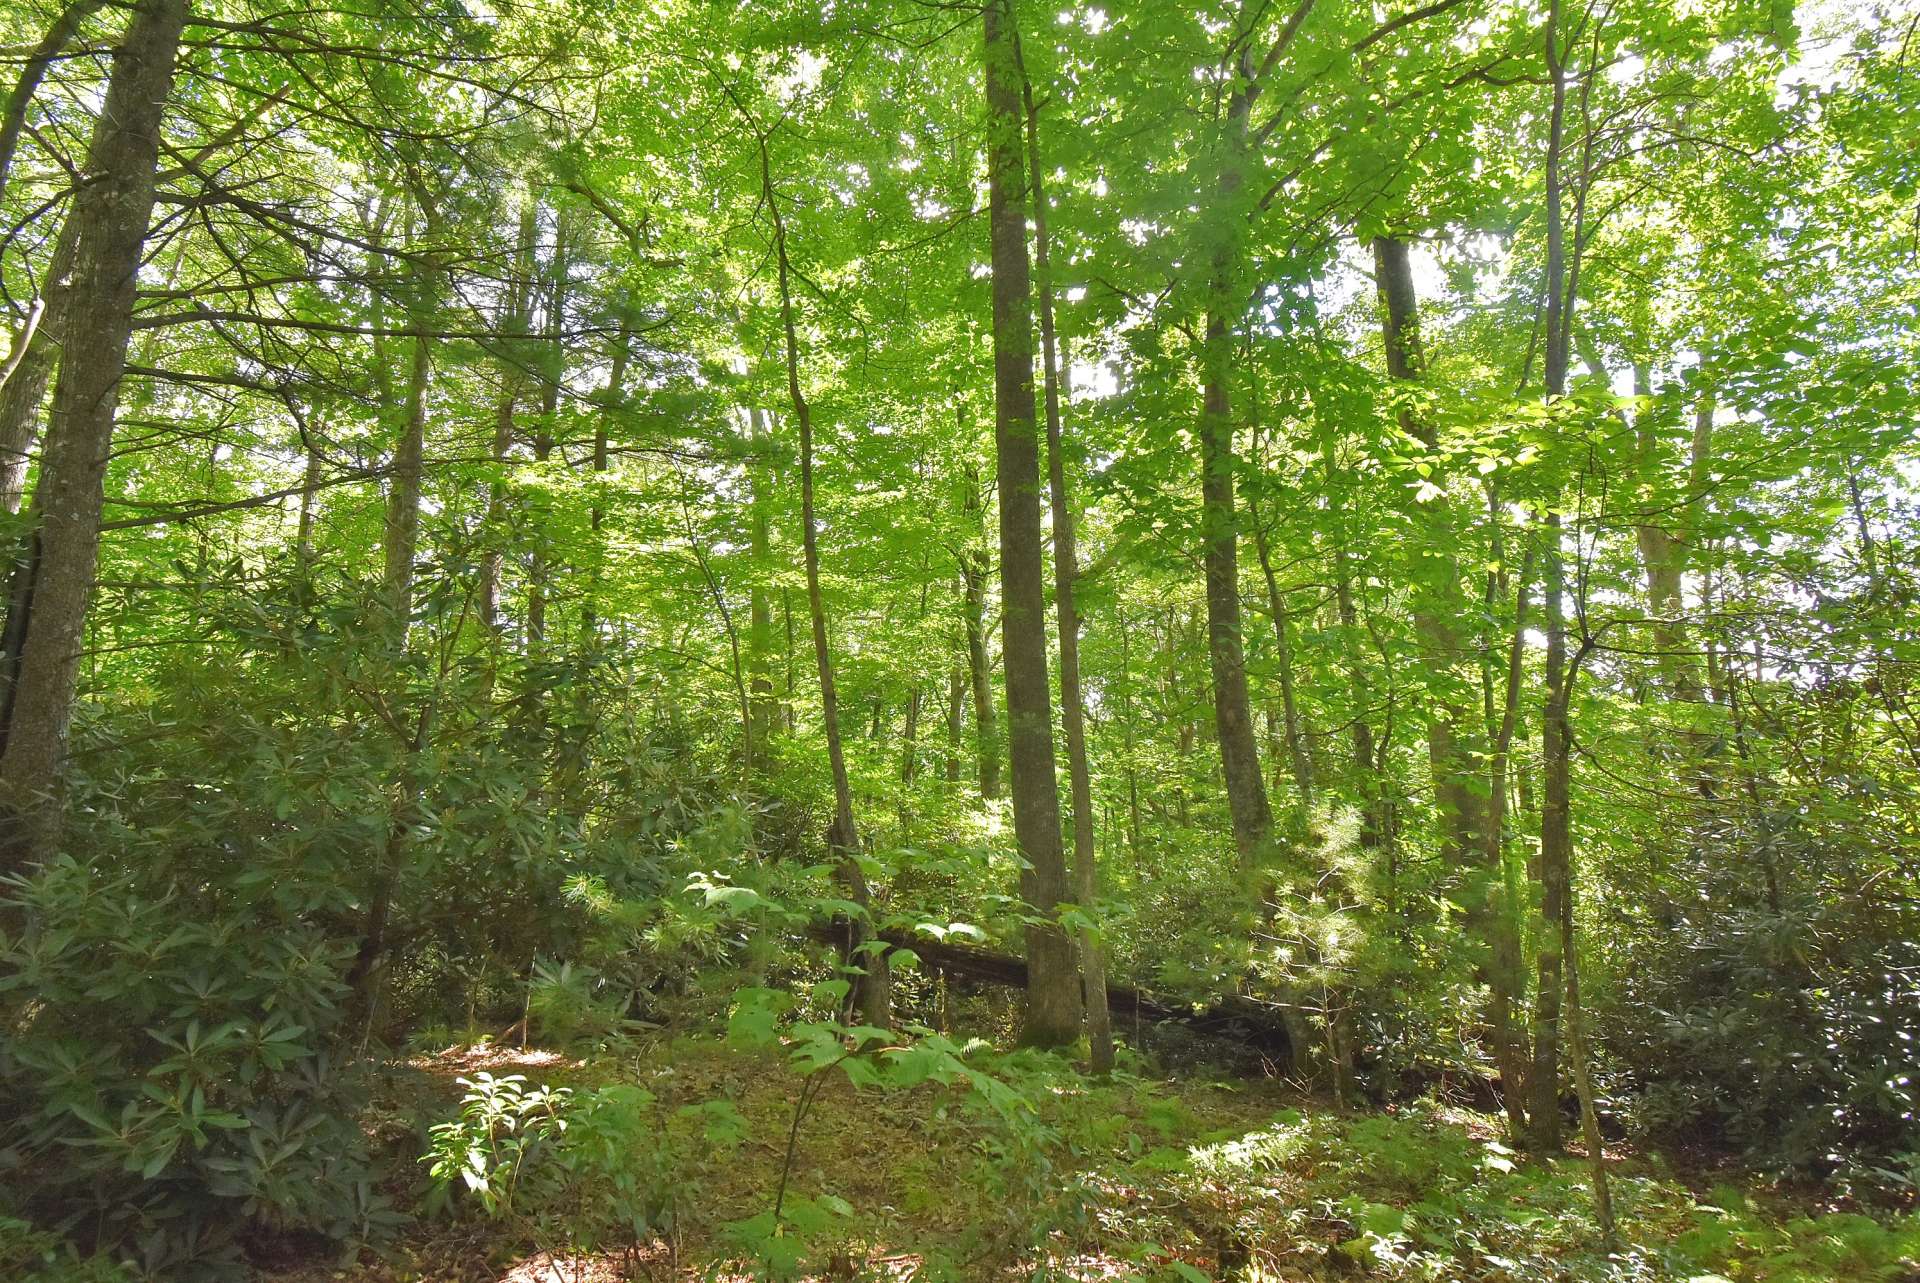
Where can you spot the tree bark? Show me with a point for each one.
(1293, 734)
(871, 995)
(766, 708)
(513, 328)
(111, 214)
(973, 607)
(32, 71)
(1247, 804)
(1440, 606)
(1508, 985)
(35, 353)
(1555, 812)
(956, 713)
(1052, 1016)
(539, 570)
(400, 543)
(1066, 569)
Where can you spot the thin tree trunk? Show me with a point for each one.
(1052, 1016)
(31, 362)
(539, 572)
(871, 997)
(956, 713)
(1294, 737)
(973, 606)
(400, 543)
(1507, 986)
(402, 534)
(766, 710)
(1555, 817)
(309, 498)
(32, 71)
(513, 326)
(1363, 754)
(1577, 1052)
(1440, 607)
(1066, 569)
(110, 213)
(1247, 803)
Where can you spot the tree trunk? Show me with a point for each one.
(1440, 608)
(110, 215)
(1508, 984)
(32, 71)
(1577, 1052)
(1293, 735)
(1555, 812)
(539, 571)
(871, 996)
(973, 606)
(1052, 1015)
(1247, 803)
(402, 534)
(513, 328)
(956, 713)
(31, 361)
(1066, 569)
(400, 542)
(766, 709)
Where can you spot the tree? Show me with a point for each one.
(1053, 997)
(94, 308)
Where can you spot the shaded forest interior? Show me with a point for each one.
(959, 639)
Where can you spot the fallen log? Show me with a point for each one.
(1256, 1027)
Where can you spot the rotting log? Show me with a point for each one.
(1259, 1028)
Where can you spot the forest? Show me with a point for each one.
(1162, 640)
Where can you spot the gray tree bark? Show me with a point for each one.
(111, 214)
(1052, 1015)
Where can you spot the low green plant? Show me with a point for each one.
(998, 1102)
(577, 1171)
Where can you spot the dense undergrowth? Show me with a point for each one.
(193, 1092)
(777, 1151)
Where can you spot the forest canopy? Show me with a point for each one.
(1079, 558)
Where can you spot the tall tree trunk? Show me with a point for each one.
(1508, 984)
(400, 543)
(539, 571)
(1665, 546)
(766, 708)
(1066, 569)
(1578, 1053)
(1555, 809)
(1440, 607)
(110, 214)
(1247, 804)
(513, 328)
(1293, 734)
(1364, 750)
(973, 607)
(30, 366)
(309, 497)
(1052, 1015)
(871, 996)
(956, 713)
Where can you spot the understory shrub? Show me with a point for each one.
(172, 1070)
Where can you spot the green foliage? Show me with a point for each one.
(174, 1075)
(26, 1252)
(585, 1172)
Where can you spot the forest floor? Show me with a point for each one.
(1136, 1178)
